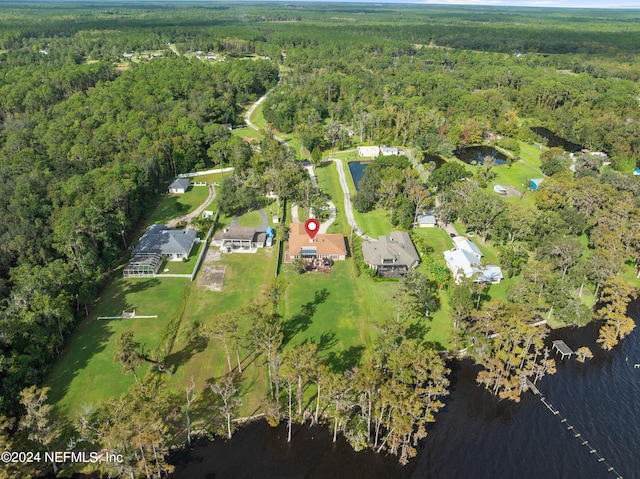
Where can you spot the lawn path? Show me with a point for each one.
(348, 209)
(186, 218)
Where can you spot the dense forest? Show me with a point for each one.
(90, 138)
(85, 151)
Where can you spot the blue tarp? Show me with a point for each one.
(270, 231)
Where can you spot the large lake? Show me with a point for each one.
(475, 435)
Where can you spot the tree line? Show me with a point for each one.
(84, 155)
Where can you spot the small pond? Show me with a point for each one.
(475, 155)
(357, 171)
(554, 140)
(437, 159)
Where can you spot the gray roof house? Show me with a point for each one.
(174, 244)
(465, 261)
(179, 186)
(391, 256)
(427, 221)
(240, 239)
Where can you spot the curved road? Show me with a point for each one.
(186, 218)
(348, 209)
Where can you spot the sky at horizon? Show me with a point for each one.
(541, 3)
(605, 4)
(602, 4)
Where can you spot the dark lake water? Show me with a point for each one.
(474, 155)
(357, 171)
(437, 159)
(475, 435)
(554, 140)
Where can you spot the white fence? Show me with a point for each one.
(207, 172)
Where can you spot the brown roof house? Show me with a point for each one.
(391, 256)
(330, 246)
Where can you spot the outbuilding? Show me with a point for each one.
(179, 186)
(427, 221)
(368, 151)
(535, 183)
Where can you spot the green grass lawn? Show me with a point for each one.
(247, 133)
(530, 154)
(172, 206)
(86, 373)
(439, 325)
(182, 267)
(436, 238)
(212, 177)
(328, 182)
(246, 277)
(374, 223)
(252, 218)
(336, 310)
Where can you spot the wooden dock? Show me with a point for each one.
(562, 348)
(533, 387)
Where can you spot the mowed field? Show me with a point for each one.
(338, 311)
(246, 278)
(86, 373)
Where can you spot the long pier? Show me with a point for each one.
(572, 430)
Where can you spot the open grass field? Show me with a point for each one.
(212, 178)
(439, 326)
(338, 311)
(86, 372)
(436, 238)
(172, 206)
(246, 277)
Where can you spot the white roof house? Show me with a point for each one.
(464, 244)
(388, 150)
(368, 151)
(465, 261)
(462, 263)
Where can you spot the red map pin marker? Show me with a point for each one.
(312, 226)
